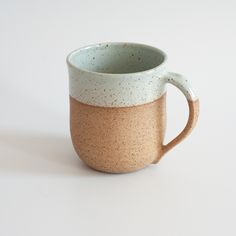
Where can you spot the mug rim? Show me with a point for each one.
(149, 71)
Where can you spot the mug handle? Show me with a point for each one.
(193, 103)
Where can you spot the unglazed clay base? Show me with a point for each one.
(118, 140)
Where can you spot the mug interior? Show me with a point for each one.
(116, 58)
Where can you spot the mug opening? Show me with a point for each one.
(116, 58)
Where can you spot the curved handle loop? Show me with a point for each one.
(193, 103)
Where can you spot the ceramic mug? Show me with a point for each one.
(118, 105)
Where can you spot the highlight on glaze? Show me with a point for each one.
(181, 83)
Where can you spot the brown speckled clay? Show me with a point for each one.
(118, 139)
(117, 105)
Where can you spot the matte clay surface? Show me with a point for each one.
(118, 139)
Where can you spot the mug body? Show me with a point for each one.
(117, 105)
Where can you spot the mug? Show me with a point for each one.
(118, 105)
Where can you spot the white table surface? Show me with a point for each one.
(46, 190)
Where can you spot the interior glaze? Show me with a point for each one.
(117, 58)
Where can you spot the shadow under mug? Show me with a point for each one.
(118, 105)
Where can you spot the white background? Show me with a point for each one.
(46, 190)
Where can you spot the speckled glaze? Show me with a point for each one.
(117, 105)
